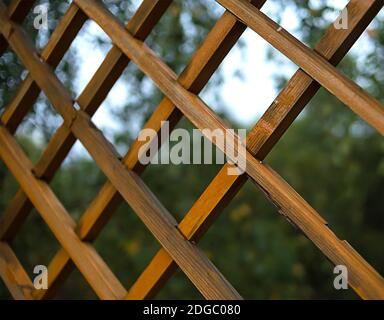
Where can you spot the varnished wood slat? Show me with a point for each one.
(58, 44)
(95, 92)
(13, 274)
(290, 204)
(299, 90)
(364, 105)
(67, 29)
(17, 11)
(197, 267)
(162, 225)
(205, 61)
(278, 191)
(94, 269)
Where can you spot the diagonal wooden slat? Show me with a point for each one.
(158, 220)
(94, 269)
(13, 274)
(272, 125)
(58, 44)
(203, 64)
(364, 105)
(95, 92)
(17, 11)
(174, 239)
(278, 191)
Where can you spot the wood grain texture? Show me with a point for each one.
(278, 191)
(205, 61)
(272, 125)
(94, 269)
(13, 274)
(159, 221)
(92, 96)
(178, 241)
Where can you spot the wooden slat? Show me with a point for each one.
(364, 105)
(17, 11)
(207, 279)
(95, 92)
(58, 44)
(363, 277)
(279, 192)
(272, 125)
(94, 269)
(13, 274)
(219, 41)
(158, 220)
(25, 50)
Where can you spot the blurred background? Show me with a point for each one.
(330, 156)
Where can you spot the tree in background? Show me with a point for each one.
(330, 156)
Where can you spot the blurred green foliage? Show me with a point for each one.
(332, 158)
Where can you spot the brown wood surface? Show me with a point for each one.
(95, 92)
(178, 241)
(158, 220)
(90, 264)
(279, 192)
(272, 125)
(203, 64)
(13, 274)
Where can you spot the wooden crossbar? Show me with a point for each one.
(181, 99)
(220, 40)
(90, 99)
(271, 126)
(17, 11)
(162, 225)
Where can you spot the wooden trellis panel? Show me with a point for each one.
(178, 241)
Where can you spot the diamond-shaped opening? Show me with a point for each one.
(276, 261)
(12, 72)
(78, 181)
(179, 287)
(176, 185)
(42, 20)
(8, 186)
(83, 58)
(34, 243)
(337, 167)
(363, 61)
(123, 10)
(239, 94)
(193, 20)
(317, 15)
(75, 287)
(126, 245)
(38, 126)
(126, 107)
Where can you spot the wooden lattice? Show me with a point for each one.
(179, 249)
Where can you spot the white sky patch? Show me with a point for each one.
(245, 99)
